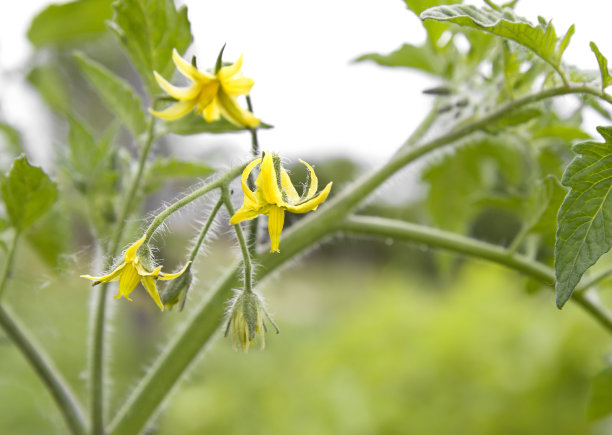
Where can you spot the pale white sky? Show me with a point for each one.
(300, 55)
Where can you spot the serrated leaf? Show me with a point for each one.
(422, 58)
(28, 193)
(585, 217)
(606, 80)
(164, 169)
(542, 39)
(600, 402)
(69, 22)
(13, 139)
(116, 93)
(149, 30)
(195, 124)
(51, 86)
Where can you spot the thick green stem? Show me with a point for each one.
(51, 377)
(253, 226)
(184, 347)
(96, 340)
(8, 262)
(246, 255)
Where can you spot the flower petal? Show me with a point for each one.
(127, 282)
(311, 203)
(188, 93)
(188, 70)
(107, 278)
(130, 254)
(267, 181)
(229, 71)
(234, 113)
(176, 111)
(276, 220)
(314, 181)
(166, 276)
(211, 112)
(244, 213)
(148, 282)
(238, 86)
(288, 187)
(244, 179)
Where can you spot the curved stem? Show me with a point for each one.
(246, 256)
(96, 340)
(253, 227)
(8, 262)
(51, 377)
(185, 346)
(205, 228)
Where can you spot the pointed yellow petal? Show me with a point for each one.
(166, 276)
(267, 181)
(288, 187)
(234, 113)
(231, 70)
(188, 70)
(211, 112)
(244, 178)
(188, 93)
(314, 182)
(144, 272)
(207, 96)
(128, 281)
(107, 278)
(243, 214)
(312, 203)
(148, 283)
(130, 254)
(176, 111)
(276, 220)
(238, 86)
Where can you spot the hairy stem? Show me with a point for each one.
(253, 226)
(246, 256)
(96, 340)
(205, 228)
(8, 262)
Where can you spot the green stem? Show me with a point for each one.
(593, 281)
(51, 377)
(399, 230)
(423, 127)
(185, 346)
(246, 256)
(207, 225)
(96, 340)
(253, 226)
(8, 262)
(224, 180)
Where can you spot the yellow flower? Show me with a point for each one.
(132, 271)
(246, 321)
(275, 194)
(211, 96)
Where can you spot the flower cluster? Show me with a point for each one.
(276, 194)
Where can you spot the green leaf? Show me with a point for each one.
(149, 30)
(51, 86)
(164, 169)
(116, 93)
(51, 238)
(13, 139)
(28, 193)
(542, 39)
(423, 58)
(606, 80)
(545, 204)
(69, 22)
(600, 402)
(585, 217)
(195, 124)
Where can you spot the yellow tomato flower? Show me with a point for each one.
(275, 194)
(132, 271)
(246, 321)
(212, 96)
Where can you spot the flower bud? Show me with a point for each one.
(246, 321)
(176, 291)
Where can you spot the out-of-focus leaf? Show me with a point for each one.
(600, 403)
(51, 86)
(13, 139)
(28, 193)
(149, 30)
(514, 118)
(561, 131)
(195, 124)
(544, 205)
(606, 80)
(4, 224)
(585, 217)
(51, 238)
(434, 29)
(541, 39)
(423, 58)
(164, 169)
(69, 22)
(116, 93)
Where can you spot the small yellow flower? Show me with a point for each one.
(246, 321)
(132, 271)
(212, 96)
(275, 194)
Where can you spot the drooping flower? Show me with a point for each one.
(245, 318)
(132, 271)
(211, 96)
(275, 194)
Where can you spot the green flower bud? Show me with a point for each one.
(246, 321)
(176, 291)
